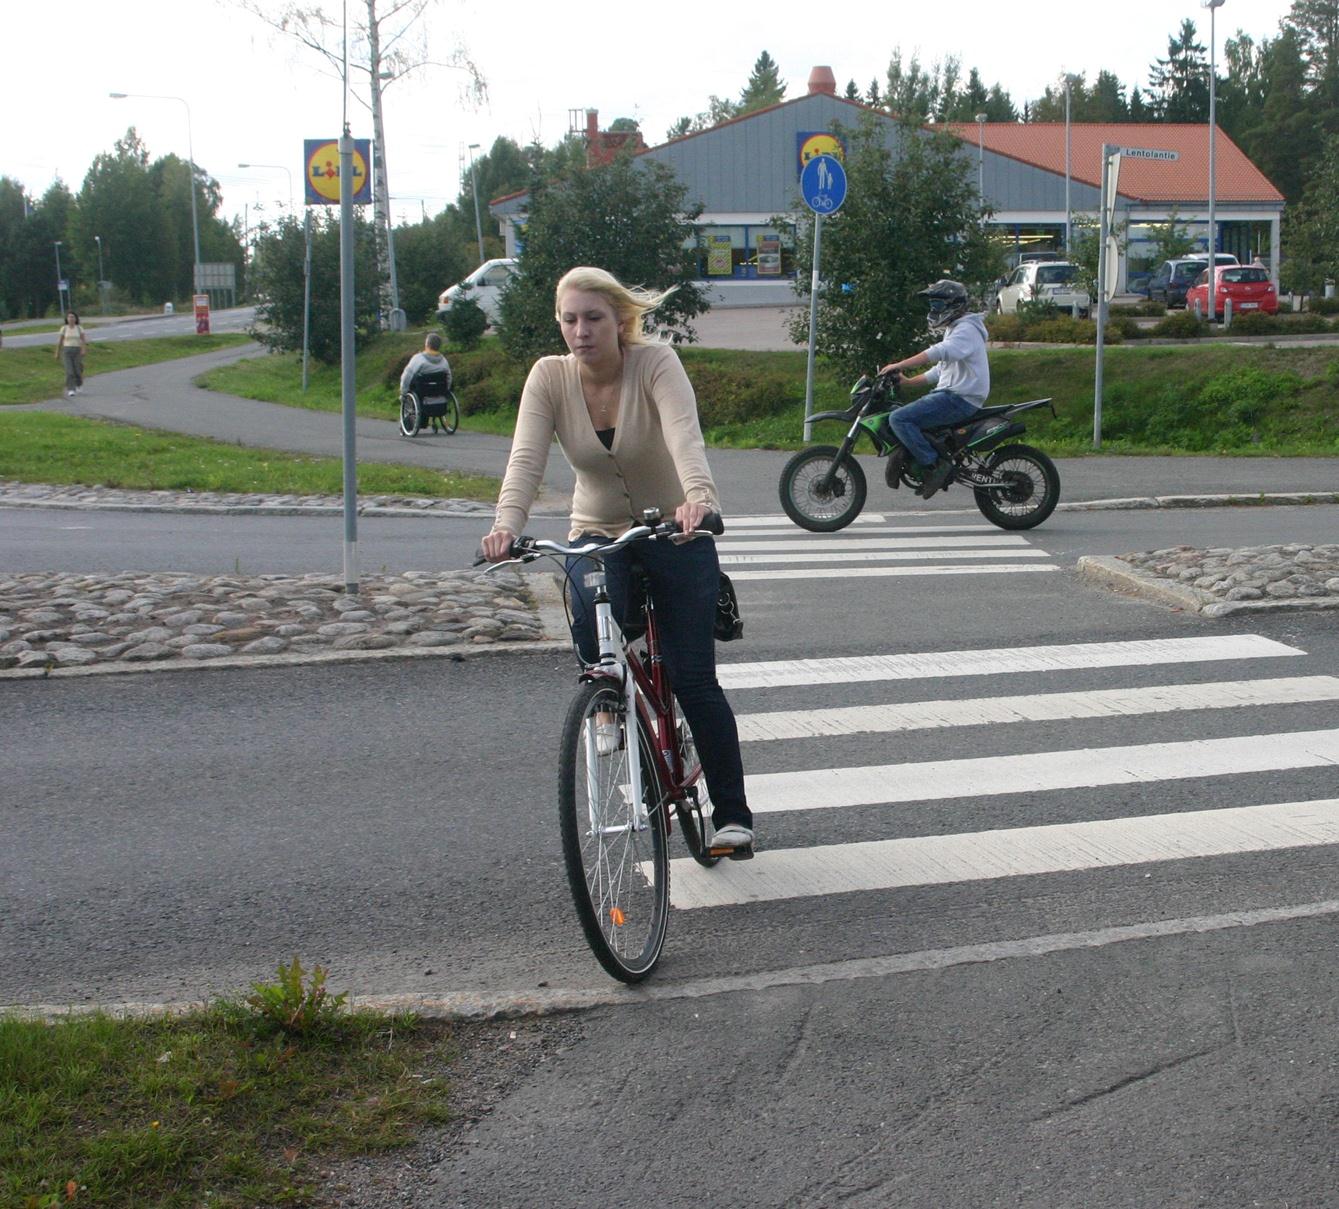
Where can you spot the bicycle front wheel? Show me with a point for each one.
(614, 843)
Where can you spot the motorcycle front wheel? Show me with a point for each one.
(1032, 492)
(813, 505)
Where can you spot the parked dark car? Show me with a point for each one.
(1174, 277)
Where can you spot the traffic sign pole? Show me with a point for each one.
(813, 332)
(823, 186)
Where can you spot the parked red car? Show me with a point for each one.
(1248, 286)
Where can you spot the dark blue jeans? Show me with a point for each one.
(683, 581)
(934, 410)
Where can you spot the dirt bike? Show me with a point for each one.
(1016, 486)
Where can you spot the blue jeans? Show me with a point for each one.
(934, 410)
(683, 581)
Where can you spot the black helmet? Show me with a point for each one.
(948, 301)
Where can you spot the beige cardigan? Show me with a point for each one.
(658, 458)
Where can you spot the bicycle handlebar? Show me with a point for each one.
(527, 549)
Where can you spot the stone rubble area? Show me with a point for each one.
(1249, 573)
(19, 495)
(50, 620)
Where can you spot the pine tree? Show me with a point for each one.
(765, 86)
(1180, 82)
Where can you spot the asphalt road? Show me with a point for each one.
(139, 327)
(1091, 963)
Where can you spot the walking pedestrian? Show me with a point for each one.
(71, 345)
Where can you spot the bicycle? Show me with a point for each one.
(617, 781)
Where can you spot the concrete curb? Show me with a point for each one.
(548, 599)
(1118, 575)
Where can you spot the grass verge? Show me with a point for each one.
(29, 375)
(217, 1108)
(45, 447)
(1200, 397)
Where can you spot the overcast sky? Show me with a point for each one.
(253, 96)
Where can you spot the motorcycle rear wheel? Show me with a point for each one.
(1032, 495)
(808, 504)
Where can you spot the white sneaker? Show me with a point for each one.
(69, 394)
(733, 835)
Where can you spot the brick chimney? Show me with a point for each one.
(821, 79)
(603, 145)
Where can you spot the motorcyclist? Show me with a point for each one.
(960, 372)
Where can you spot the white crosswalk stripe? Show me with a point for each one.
(766, 548)
(965, 785)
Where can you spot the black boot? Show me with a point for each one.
(935, 478)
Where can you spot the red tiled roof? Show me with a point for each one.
(1186, 179)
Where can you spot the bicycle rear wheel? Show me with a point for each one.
(614, 847)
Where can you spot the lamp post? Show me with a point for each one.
(60, 281)
(1069, 212)
(102, 281)
(981, 157)
(474, 185)
(1212, 5)
(190, 151)
(277, 168)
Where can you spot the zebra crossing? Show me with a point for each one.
(772, 548)
(1185, 688)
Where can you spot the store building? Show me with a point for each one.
(745, 174)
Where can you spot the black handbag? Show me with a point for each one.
(729, 624)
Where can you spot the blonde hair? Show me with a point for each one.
(631, 304)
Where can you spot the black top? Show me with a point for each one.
(606, 436)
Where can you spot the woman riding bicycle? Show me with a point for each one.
(625, 415)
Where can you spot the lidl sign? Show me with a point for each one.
(321, 171)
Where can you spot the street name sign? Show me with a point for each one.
(1149, 153)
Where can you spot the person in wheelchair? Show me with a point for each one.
(428, 375)
(959, 371)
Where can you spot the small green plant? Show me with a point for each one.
(465, 322)
(297, 1002)
(1184, 326)
(1036, 310)
(1322, 306)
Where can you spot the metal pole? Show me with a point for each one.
(1069, 213)
(813, 331)
(60, 289)
(1107, 151)
(1212, 6)
(306, 292)
(474, 185)
(195, 220)
(346, 360)
(981, 158)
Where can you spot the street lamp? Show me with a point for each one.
(474, 184)
(981, 157)
(102, 283)
(1212, 5)
(190, 151)
(1069, 213)
(277, 168)
(60, 281)
(97, 239)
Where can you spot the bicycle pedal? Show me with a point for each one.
(735, 854)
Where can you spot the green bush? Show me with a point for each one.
(1146, 309)
(725, 395)
(1182, 326)
(465, 322)
(1322, 306)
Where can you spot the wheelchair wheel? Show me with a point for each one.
(411, 414)
(450, 419)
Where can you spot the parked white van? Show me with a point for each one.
(483, 287)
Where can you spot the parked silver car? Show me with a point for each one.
(1050, 281)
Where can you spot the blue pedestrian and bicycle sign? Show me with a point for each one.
(823, 184)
